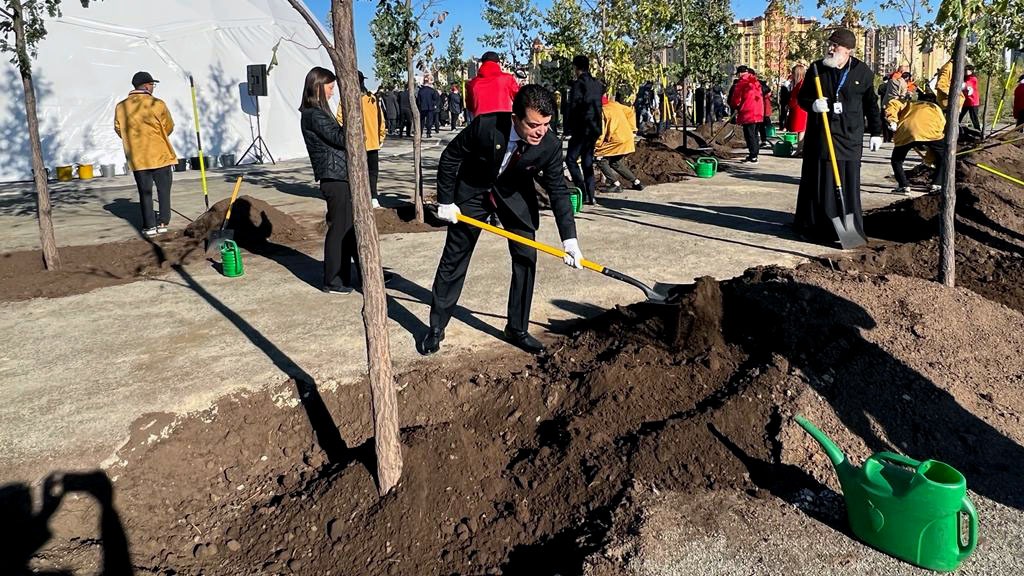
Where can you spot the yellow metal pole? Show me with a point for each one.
(1006, 88)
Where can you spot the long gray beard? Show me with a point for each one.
(833, 61)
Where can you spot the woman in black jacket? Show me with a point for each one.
(325, 143)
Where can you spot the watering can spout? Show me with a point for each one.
(834, 453)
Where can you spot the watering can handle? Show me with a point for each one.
(967, 507)
(898, 459)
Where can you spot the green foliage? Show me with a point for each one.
(452, 65)
(391, 28)
(711, 39)
(848, 13)
(991, 26)
(513, 25)
(806, 47)
(32, 12)
(564, 37)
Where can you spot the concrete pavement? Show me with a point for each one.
(76, 371)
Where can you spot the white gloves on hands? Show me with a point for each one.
(448, 213)
(573, 256)
(893, 126)
(820, 105)
(875, 143)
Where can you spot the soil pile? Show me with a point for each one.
(656, 163)
(253, 221)
(86, 268)
(515, 466)
(989, 226)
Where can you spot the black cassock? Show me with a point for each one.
(817, 204)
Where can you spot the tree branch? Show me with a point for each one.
(6, 13)
(304, 12)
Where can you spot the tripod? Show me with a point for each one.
(259, 146)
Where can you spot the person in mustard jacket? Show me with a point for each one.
(616, 142)
(917, 124)
(374, 132)
(143, 123)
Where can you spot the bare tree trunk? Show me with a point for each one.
(47, 240)
(417, 139)
(383, 397)
(947, 251)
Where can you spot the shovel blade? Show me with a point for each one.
(216, 240)
(846, 229)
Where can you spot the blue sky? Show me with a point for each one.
(467, 13)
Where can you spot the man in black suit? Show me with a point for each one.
(584, 123)
(490, 168)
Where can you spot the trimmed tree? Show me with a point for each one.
(513, 25)
(383, 398)
(24, 20)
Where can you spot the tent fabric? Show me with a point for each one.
(85, 65)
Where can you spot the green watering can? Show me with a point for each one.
(905, 508)
(576, 199)
(231, 259)
(706, 167)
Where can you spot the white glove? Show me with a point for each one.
(893, 126)
(573, 257)
(875, 143)
(820, 105)
(448, 213)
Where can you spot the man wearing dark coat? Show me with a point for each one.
(390, 100)
(455, 105)
(584, 123)
(849, 98)
(404, 112)
(490, 168)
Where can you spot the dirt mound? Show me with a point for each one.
(989, 226)
(253, 221)
(515, 466)
(656, 163)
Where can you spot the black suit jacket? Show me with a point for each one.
(585, 109)
(469, 167)
(860, 103)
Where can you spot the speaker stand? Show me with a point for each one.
(259, 146)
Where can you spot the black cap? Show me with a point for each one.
(141, 78)
(490, 56)
(742, 69)
(843, 37)
(361, 77)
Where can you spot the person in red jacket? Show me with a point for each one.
(748, 101)
(971, 97)
(1018, 101)
(797, 119)
(492, 90)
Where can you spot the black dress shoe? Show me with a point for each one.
(431, 342)
(522, 339)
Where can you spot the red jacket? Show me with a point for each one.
(1018, 99)
(747, 100)
(797, 119)
(491, 91)
(973, 99)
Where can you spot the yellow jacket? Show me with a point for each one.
(619, 126)
(918, 122)
(942, 85)
(144, 123)
(374, 127)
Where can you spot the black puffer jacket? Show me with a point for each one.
(325, 143)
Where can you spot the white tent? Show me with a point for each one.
(86, 62)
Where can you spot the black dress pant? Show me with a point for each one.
(145, 179)
(899, 154)
(428, 121)
(340, 242)
(751, 135)
(373, 170)
(973, 111)
(581, 148)
(405, 125)
(458, 250)
(613, 166)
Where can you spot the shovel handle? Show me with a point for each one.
(525, 241)
(234, 194)
(828, 129)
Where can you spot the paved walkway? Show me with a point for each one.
(76, 371)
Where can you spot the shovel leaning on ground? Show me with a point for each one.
(845, 223)
(217, 237)
(659, 294)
